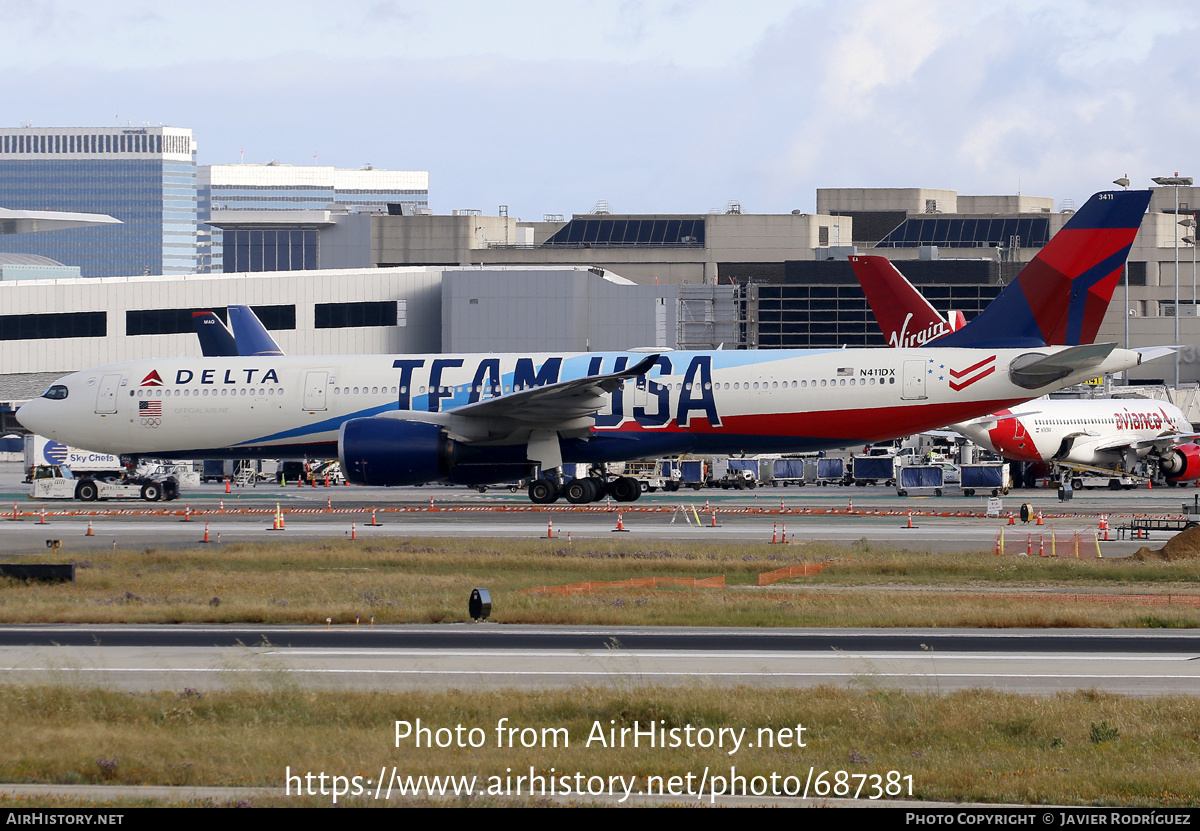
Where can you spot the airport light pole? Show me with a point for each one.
(1175, 182)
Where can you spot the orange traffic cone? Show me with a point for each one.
(1041, 546)
(909, 525)
(227, 485)
(999, 544)
(187, 513)
(205, 533)
(1039, 519)
(1011, 519)
(714, 520)
(42, 521)
(374, 521)
(620, 525)
(775, 534)
(549, 528)
(353, 531)
(89, 530)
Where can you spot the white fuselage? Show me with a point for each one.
(721, 401)
(1099, 432)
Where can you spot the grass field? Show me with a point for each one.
(1068, 749)
(426, 581)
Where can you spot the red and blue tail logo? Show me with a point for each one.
(1060, 298)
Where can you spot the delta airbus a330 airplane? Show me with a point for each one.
(475, 419)
(1093, 432)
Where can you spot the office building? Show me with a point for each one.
(281, 207)
(145, 177)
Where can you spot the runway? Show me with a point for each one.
(488, 656)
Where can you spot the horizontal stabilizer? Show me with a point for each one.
(1033, 370)
(1153, 353)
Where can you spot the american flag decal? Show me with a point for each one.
(963, 378)
(845, 371)
(150, 409)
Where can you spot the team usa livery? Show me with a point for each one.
(1107, 433)
(477, 419)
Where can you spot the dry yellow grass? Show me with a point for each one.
(430, 580)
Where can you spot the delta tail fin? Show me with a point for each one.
(216, 341)
(1061, 296)
(251, 336)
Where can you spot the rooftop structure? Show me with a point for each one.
(226, 189)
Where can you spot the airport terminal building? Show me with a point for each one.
(411, 281)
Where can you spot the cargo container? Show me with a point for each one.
(991, 476)
(920, 478)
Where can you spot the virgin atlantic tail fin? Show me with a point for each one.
(903, 313)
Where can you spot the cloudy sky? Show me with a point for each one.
(652, 106)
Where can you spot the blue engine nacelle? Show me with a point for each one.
(390, 451)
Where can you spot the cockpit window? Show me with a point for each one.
(57, 392)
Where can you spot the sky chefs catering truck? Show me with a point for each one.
(43, 451)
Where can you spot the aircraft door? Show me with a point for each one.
(314, 390)
(914, 381)
(106, 397)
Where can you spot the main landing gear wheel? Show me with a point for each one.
(543, 491)
(581, 491)
(625, 489)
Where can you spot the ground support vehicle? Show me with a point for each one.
(183, 473)
(1081, 476)
(58, 482)
(325, 473)
(737, 474)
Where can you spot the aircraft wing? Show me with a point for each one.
(1163, 442)
(556, 404)
(989, 421)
